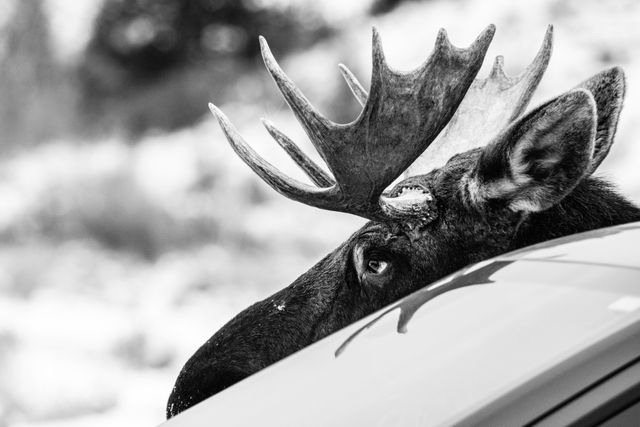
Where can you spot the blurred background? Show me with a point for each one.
(130, 232)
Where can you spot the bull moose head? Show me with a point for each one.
(480, 179)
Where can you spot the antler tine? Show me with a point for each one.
(489, 106)
(283, 184)
(497, 71)
(442, 40)
(311, 169)
(378, 61)
(315, 125)
(356, 88)
(532, 75)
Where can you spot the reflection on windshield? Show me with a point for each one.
(478, 274)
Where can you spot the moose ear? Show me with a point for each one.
(608, 89)
(540, 158)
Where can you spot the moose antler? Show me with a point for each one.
(487, 108)
(402, 115)
(489, 105)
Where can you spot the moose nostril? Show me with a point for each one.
(192, 388)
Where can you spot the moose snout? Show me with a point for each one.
(197, 383)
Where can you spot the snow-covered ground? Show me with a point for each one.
(95, 336)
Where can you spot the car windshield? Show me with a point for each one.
(435, 360)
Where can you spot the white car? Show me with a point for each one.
(545, 336)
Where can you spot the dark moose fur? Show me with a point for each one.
(532, 183)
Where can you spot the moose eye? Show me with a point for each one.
(374, 268)
(377, 266)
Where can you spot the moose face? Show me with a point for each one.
(377, 265)
(529, 182)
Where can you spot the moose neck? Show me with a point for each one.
(592, 204)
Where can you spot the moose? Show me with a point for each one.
(480, 177)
